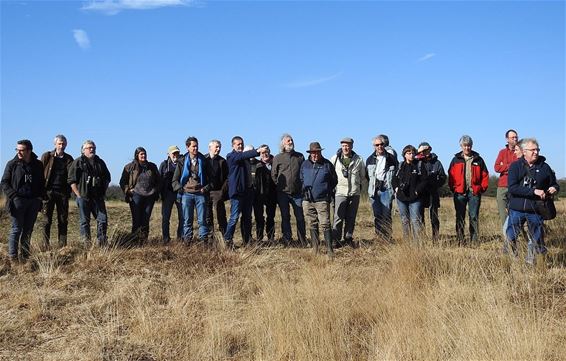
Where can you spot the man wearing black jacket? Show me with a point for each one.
(23, 183)
(169, 197)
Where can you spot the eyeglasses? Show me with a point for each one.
(378, 145)
(533, 150)
(90, 148)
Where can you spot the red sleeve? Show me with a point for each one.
(501, 165)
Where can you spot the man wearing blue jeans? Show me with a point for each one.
(89, 177)
(23, 183)
(192, 179)
(285, 172)
(240, 190)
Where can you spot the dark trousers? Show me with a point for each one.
(23, 213)
(168, 201)
(473, 203)
(96, 207)
(61, 201)
(215, 205)
(141, 208)
(434, 220)
(269, 204)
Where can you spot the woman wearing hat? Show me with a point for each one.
(140, 183)
(409, 183)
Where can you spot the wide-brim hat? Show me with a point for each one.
(315, 147)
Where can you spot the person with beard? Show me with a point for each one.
(530, 179)
(140, 183)
(351, 174)
(23, 183)
(430, 197)
(170, 198)
(89, 179)
(265, 198)
(55, 164)
(285, 173)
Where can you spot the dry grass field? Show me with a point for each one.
(378, 302)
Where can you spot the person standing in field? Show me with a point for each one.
(58, 191)
(319, 179)
(89, 178)
(436, 177)
(265, 197)
(192, 178)
(285, 173)
(530, 179)
(504, 159)
(219, 192)
(351, 174)
(468, 179)
(140, 183)
(380, 168)
(23, 184)
(170, 198)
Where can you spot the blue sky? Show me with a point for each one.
(127, 73)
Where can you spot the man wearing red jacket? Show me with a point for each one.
(468, 179)
(504, 159)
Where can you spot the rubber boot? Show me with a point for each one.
(328, 239)
(314, 240)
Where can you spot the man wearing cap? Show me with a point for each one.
(240, 190)
(170, 198)
(351, 173)
(380, 168)
(505, 157)
(219, 191)
(285, 173)
(265, 197)
(319, 179)
(436, 177)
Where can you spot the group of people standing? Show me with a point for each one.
(194, 182)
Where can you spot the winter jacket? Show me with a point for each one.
(356, 174)
(286, 172)
(23, 180)
(92, 180)
(410, 180)
(523, 180)
(239, 171)
(375, 185)
(457, 177)
(47, 161)
(263, 183)
(320, 177)
(436, 177)
(130, 176)
(166, 171)
(504, 159)
(219, 170)
(180, 177)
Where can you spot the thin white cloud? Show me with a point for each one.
(426, 57)
(312, 82)
(113, 7)
(81, 37)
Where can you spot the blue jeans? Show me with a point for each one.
(23, 213)
(97, 208)
(411, 220)
(536, 232)
(473, 203)
(284, 199)
(141, 208)
(381, 205)
(240, 204)
(170, 199)
(189, 201)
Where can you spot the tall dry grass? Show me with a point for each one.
(379, 302)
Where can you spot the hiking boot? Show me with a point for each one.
(328, 239)
(314, 240)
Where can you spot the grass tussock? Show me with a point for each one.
(379, 302)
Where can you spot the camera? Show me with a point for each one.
(345, 172)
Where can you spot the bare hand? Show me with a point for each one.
(540, 193)
(551, 190)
